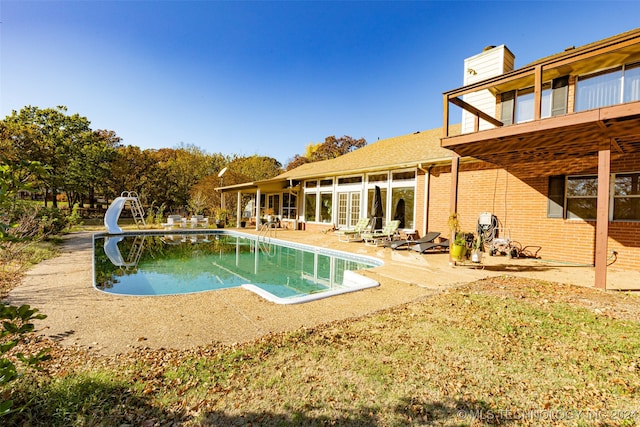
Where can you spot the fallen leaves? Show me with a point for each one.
(500, 344)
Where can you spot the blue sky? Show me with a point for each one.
(268, 78)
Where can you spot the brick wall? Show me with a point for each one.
(520, 204)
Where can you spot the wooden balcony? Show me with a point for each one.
(554, 138)
(525, 146)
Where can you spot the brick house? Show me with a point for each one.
(552, 149)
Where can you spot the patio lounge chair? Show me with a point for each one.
(199, 220)
(175, 221)
(355, 233)
(387, 234)
(427, 238)
(441, 246)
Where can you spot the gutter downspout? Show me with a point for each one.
(427, 195)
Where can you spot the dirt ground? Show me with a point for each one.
(81, 316)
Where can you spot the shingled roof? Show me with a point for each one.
(391, 153)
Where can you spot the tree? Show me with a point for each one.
(89, 163)
(334, 147)
(51, 137)
(331, 148)
(253, 168)
(129, 171)
(297, 161)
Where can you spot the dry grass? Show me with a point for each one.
(498, 351)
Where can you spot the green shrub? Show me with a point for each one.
(16, 322)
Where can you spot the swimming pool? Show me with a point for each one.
(180, 263)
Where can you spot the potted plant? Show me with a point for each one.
(221, 217)
(477, 247)
(458, 250)
(458, 247)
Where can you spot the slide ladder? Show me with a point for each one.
(267, 231)
(115, 209)
(112, 251)
(136, 208)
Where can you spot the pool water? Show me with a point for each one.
(284, 273)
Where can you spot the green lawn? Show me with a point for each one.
(501, 351)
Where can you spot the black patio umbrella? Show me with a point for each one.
(376, 213)
(400, 213)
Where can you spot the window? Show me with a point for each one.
(348, 209)
(507, 103)
(402, 203)
(599, 90)
(289, 202)
(524, 105)
(582, 194)
(325, 207)
(383, 196)
(318, 200)
(555, 207)
(621, 84)
(273, 203)
(350, 180)
(579, 193)
(381, 177)
(310, 202)
(519, 106)
(559, 96)
(626, 197)
(632, 83)
(404, 176)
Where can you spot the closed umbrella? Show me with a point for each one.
(376, 213)
(400, 213)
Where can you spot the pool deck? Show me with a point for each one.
(79, 315)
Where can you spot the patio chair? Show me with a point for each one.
(426, 247)
(201, 220)
(355, 233)
(175, 221)
(387, 234)
(406, 243)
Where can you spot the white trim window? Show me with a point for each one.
(403, 191)
(318, 200)
(609, 87)
(349, 194)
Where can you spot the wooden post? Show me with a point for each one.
(453, 194)
(257, 209)
(602, 216)
(537, 94)
(445, 124)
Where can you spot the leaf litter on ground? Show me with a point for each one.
(502, 350)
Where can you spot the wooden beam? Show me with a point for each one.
(602, 215)
(473, 110)
(560, 123)
(615, 145)
(537, 93)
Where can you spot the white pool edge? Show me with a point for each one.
(352, 282)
